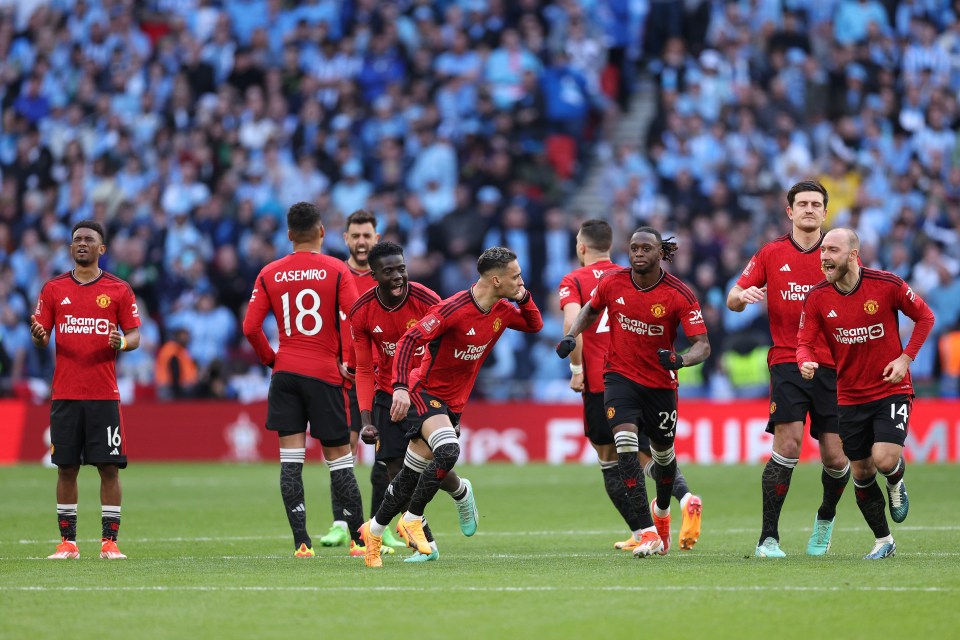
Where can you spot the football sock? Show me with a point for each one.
(680, 488)
(834, 482)
(345, 487)
(446, 451)
(872, 505)
(631, 475)
(67, 520)
(896, 475)
(664, 470)
(427, 533)
(397, 496)
(614, 486)
(110, 519)
(379, 479)
(454, 486)
(291, 491)
(774, 485)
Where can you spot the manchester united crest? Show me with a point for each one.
(103, 301)
(411, 322)
(435, 404)
(773, 407)
(658, 310)
(871, 306)
(497, 324)
(611, 412)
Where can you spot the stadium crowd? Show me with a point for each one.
(187, 127)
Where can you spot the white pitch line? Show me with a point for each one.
(483, 589)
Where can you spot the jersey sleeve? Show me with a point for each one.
(917, 310)
(810, 331)
(755, 273)
(253, 322)
(130, 314)
(429, 328)
(599, 299)
(569, 291)
(692, 320)
(526, 316)
(364, 360)
(45, 311)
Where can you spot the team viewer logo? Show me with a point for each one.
(658, 310)
(871, 306)
(435, 404)
(103, 301)
(496, 325)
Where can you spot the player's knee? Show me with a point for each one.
(445, 455)
(788, 448)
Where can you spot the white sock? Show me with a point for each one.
(683, 501)
(661, 513)
(409, 517)
(376, 528)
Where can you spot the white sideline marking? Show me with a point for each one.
(447, 589)
(573, 532)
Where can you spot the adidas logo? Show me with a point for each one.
(65, 301)
(785, 267)
(620, 300)
(347, 513)
(377, 329)
(471, 332)
(298, 509)
(832, 314)
(115, 452)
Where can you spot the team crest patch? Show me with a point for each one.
(103, 301)
(435, 404)
(378, 445)
(871, 306)
(429, 324)
(51, 449)
(497, 324)
(658, 310)
(411, 322)
(773, 407)
(611, 412)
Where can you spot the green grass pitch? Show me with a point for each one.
(210, 556)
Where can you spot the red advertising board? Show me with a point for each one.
(707, 433)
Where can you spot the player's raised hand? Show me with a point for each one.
(669, 360)
(400, 406)
(807, 369)
(896, 370)
(522, 295)
(565, 346)
(753, 295)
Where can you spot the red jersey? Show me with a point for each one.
(307, 292)
(377, 329)
(579, 286)
(861, 328)
(461, 335)
(80, 315)
(789, 271)
(643, 321)
(364, 282)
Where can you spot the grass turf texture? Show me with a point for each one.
(210, 555)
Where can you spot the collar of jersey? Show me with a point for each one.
(663, 274)
(73, 276)
(816, 245)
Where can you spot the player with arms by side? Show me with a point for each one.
(378, 320)
(95, 316)
(787, 269)
(586, 367)
(855, 310)
(461, 331)
(645, 305)
(306, 292)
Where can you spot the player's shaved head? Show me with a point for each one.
(847, 235)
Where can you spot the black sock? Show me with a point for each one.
(397, 496)
(379, 479)
(896, 475)
(872, 505)
(345, 487)
(613, 483)
(67, 521)
(335, 507)
(291, 490)
(110, 519)
(832, 491)
(664, 475)
(680, 487)
(427, 533)
(634, 484)
(461, 492)
(444, 457)
(774, 485)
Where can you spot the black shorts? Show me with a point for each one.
(353, 410)
(653, 411)
(595, 425)
(792, 398)
(885, 420)
(424, 406)
(392, 439)
(295, 401)
(87, 432)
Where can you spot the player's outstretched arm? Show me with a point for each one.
(570, 312)
(587, 316)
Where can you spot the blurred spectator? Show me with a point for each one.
(176, 372)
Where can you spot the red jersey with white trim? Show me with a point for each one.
(377, 329)
(460, 336)
(862, 331)
(79, 315)
(579, 286)
(307, 292)
(788, 271)
(643, 321)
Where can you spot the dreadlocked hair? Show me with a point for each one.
(668, 246)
